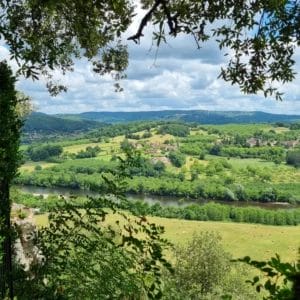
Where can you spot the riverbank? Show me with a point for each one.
(210, 211)
(150, 199)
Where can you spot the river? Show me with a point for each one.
(150, 199)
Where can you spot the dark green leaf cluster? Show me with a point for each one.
(89, 152)
(10, 127)
(44, 152)
(177, 158)
(293, 158)
(264, 152)
(281, 280)
(181, 130)
(47, 35)
(218, 212)
(166, 184)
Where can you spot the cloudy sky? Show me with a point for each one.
(181, 77)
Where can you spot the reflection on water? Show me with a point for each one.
(150, 199)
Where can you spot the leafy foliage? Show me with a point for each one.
(89, 152)
(44, 152)
(181, 130)
(203, 271)
(85, 256)
(43, 36)
(282, 279)
(293, 158)
(9, 161)
(260, 38)
(177, 158)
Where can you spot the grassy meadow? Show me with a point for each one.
(258, 241)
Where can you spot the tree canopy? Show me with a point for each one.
(259, 37)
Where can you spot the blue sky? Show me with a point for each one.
(181, 77)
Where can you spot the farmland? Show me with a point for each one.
(213, 162)
(265, 241)
(241, 182)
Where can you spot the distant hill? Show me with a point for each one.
(198, 116)
(48, 124)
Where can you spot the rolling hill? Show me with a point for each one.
(198, 116)
(48, 124)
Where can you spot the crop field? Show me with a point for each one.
(240, 128)
(77, 148)
(30, 166)
(258, 241)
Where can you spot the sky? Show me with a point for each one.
(178, 76)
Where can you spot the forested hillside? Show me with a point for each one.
(46, 124)
(198, 116)
(42, 127)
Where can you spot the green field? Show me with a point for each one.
(258, 241)
(30, 166)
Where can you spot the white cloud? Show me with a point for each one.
(181, 77)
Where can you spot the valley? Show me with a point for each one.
(215, 173)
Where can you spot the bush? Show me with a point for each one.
(38, 168)
(38, 153)
(89, 152)
(174, 129)
(203, 271)
(293, 158)
(177, 158)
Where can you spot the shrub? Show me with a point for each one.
(293, 158)
(177, 158)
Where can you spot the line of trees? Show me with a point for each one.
(218, 212)
(210, 211)
(154, 180)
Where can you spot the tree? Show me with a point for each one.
(203, 271)
(9, 154)
(177, 158)
(201, 264)
(46, 35)
(293, 158)
(260, 38)
(38, 153)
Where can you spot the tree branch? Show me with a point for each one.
(172, 21)
(136, 37)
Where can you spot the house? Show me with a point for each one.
(253, 142)
(290, 144)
